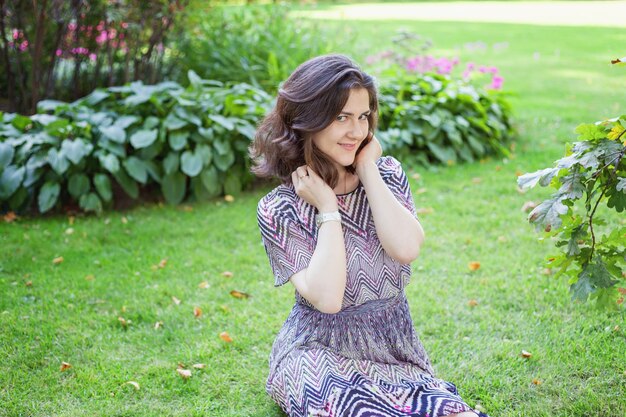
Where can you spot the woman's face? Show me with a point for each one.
(341, 139)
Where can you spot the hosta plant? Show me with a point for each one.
(433, 118)
(592, 248)
(186, 142)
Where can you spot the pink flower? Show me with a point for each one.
(496, 82)
(58, 52)
(482, 69)
(23, 46)
(124, 25)
(92, 56)
(72, 26)
(471, 66)
(493, 70)
(16, 34)
(112, 33)
(102, 37)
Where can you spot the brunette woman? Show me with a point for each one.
(342, 228)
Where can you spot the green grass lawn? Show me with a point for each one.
(70, 311)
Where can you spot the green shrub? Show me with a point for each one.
(259, 45)
(433, 118)
(191, 142)
(594, 169)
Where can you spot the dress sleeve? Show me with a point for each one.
(395, 178)
(288, 246)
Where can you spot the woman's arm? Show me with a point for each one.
(399, 232)
(323, 282)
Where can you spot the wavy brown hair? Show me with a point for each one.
(309, 100)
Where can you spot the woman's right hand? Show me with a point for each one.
(312, 189)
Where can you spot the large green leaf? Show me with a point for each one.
(143, 138)
(178, 139)
(110, 162)
(90, 202)
(174, 187)
(172, 122)
(127, 183)
(10, 180)
(6, 154)
(103, 186)
(205, 153)
(58, 161)
(171, 163)
(125, 121)
(225, 122)
(78, 185)
(115, 133)
(136, 168)
(232, 183)
(18, 198)
(191, 163)
(211, 182)
(48, 195)
(223, 162)
(76, 150)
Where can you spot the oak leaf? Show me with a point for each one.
(184, 373)
(239, 294)
(473, 266)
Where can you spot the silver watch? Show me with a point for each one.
(324, 217)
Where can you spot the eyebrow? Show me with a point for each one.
(352, 114)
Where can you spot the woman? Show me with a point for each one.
(342, 228)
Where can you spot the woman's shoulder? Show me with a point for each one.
(389, 165)
(282, 199)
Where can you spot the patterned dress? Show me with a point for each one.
(366, 360)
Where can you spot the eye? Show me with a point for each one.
(341, 118)
(364, 116)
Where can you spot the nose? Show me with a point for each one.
(356, 131)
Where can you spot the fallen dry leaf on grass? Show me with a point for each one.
(70, 220)
(239, 294)
(203, 284)
(57, 260)
(65, 366)
(158, 325)
(184, 373)
(537, 381)
(197, 312)
(473, 266)
(133, 383)
(69, 231)
(10, 217)
(124, 322)
(199, 365)
(229, 198)
(227, 274)
(90, 277)
(29, 283)
(526, 354)
(472, 303)
(175, 300)
(163, 263)
(225, 337)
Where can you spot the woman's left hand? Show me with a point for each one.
(370, 152)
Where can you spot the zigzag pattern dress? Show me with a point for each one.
(366, 360)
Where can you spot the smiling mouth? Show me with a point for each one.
(348, 146)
